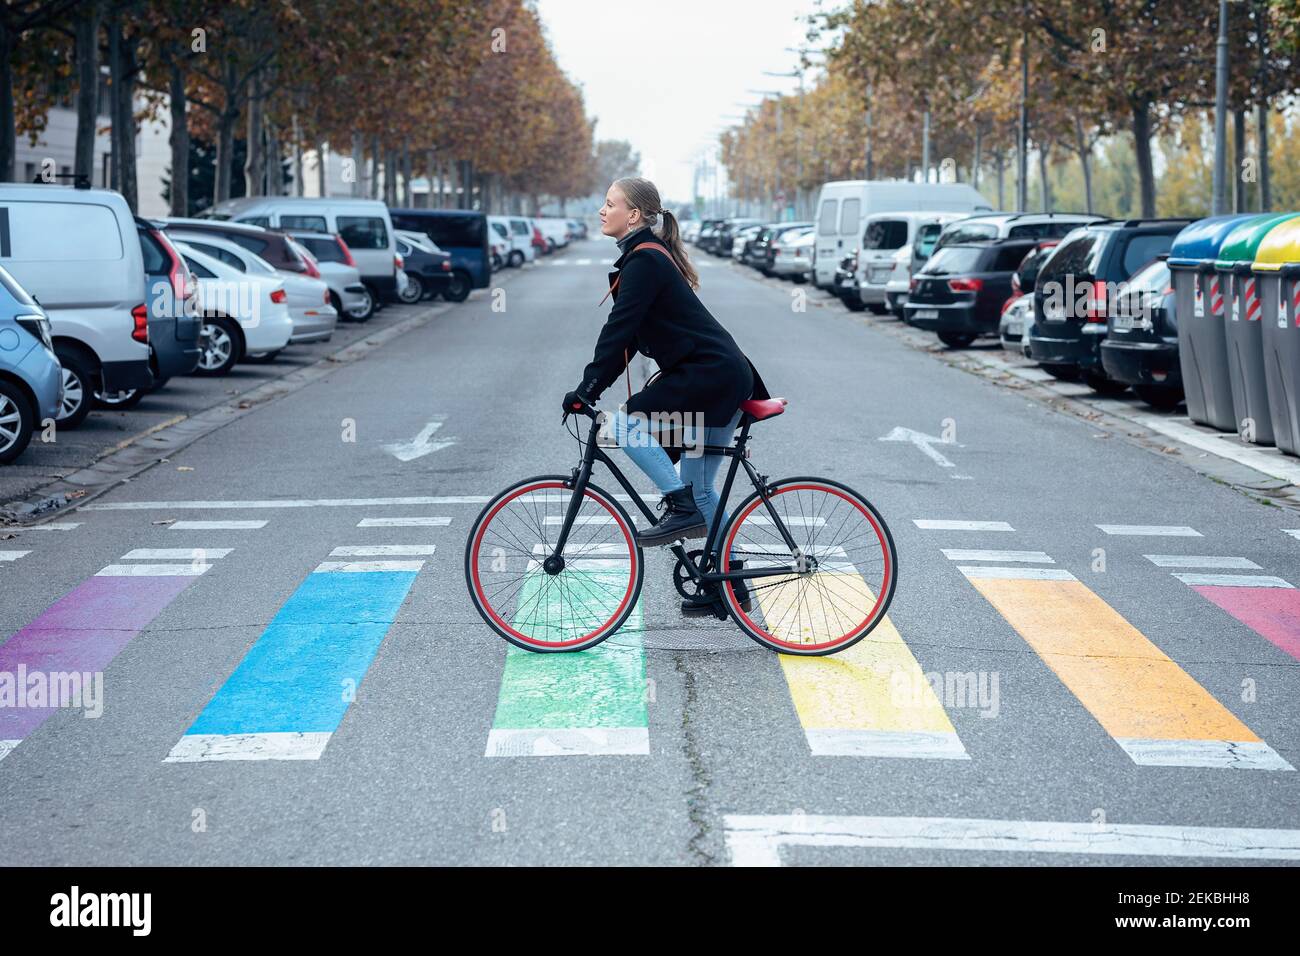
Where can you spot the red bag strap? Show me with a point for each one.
(627, 360)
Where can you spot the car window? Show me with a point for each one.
(885, 234)
(519, 227)
(253, 244)
(954, 259)
(500, 229)
(970, 232)
(59, 231)
(1033, 231)
(307, 223)
(325, 250)
(201, 271)
(1007, 258)
(449, 229)
(363, 232)
(1152, 277)
(1142, 248)
(1077, 257)
(156, 260)
(221, 255)
(850, 216)
(262, 221)
(926, 236)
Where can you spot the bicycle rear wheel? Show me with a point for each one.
(586, 600)
(847, 582)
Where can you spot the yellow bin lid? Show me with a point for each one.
(1280, 249)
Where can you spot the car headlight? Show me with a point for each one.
(38, 326)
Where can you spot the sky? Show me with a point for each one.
(665, 75)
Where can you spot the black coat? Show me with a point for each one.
(703, 371)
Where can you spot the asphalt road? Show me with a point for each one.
(1122, 714)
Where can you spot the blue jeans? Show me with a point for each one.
(635, 436)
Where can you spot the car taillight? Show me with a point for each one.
(1096, 309)
(1007, 304)
(279, 296)
(1015, 283)
(912, 283)
(326, 297)
(311, 270)
(398, 262)
(446, 265)
(140, 323)
(966, 285)
(347, 253)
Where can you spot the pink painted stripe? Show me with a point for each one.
(82, 631)
(1273, 613)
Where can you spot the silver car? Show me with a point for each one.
(348, 294)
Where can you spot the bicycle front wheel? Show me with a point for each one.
(841, 588)
(567, 608)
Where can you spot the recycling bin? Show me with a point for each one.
(1277, 271)
(1198, 309)
(1242, 326)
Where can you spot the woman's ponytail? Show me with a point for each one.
(642, 194)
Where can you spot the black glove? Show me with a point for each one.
(574, 402)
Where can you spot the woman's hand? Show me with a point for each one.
(575, 402)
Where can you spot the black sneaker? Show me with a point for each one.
(682, 519)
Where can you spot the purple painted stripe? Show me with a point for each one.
(82, 631)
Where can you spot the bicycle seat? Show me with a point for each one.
(761, 408)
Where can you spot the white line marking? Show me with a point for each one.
(1200, 561)
(216, 525)
(757, 840)
(966, 554)
(1295, 533)
(578, 519)
(922, 441)
(425, 522)
(285, 503)
(12, 555)
(1165, 530)
(923, 745)
(1013, 574)
(363, 567)
(55, 526)
(196, 748)
(421, 445)
(606, 262)
(583, 262)
(568, 741)
(1221, 754)
(1234, 580)
(381, 550)
(175, 554)
(559, 262)
(1271, 462)
(152, 570)
(940, 524)
(7, 747)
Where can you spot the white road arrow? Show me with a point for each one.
(420, 445)
(922, 441)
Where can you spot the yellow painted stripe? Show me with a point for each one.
(1153, 708)
(869, 700)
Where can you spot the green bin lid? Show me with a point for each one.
(1241, 244)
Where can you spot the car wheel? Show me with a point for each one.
(363, 310)
(458, 287)
(853, 304)
(957, 340)
(413, 292)
(119, 400)
(221, 349)
(878, 308)
(516, 259)
(16, 422)
(1163, 397)
(78, 390)
(1102, 385)
(1065, 373)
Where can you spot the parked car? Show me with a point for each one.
(690, 230)
(31, 379)
(463, 234)
(727, 232)
(764, 252)
(843, 206)
(427, 268)
(960, 291)
(1141, 344)
(742, 241)
(518, 234)
(1074, 288)
(1017, 316)
(498, 249)
(708, 236)
(894, 245)
(554, 231)
(243, 312)
(792, 259)
(846, 282)
(77, 252)
(1014, 225)
(364, 224)
(350, 296)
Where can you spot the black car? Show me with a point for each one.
(708, 237)
(763, 251)
(960, 291)
(1141, 344)
(1076, 285)
(727, 232)
(464, 235)
(427, 273)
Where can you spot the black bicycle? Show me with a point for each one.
(552, 562)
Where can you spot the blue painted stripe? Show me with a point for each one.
(292, 679)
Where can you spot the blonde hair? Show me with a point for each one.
(643, 195)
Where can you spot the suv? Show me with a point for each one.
(960, 291)
(1076, 285)
(1014, 225)
(31, 382)
(1141, 344)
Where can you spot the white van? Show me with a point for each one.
(516, 231)
(894, 245)
(77, 251)
(364, 224)
(844, 205)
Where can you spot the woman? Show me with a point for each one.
(703, 374)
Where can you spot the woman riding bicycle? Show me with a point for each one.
(703, 378)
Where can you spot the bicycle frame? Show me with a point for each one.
(739, 455)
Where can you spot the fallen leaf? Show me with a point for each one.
(184, 468)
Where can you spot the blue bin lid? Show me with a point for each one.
(1197, 246)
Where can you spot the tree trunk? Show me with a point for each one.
(255, 160)
(297, 157)
(322, 160)
(975, 161)
(431, 168)
(406, 175)
(390, 177)
(358, 164)
(374, 167)
(1141, 112)
(997, 158)
(1238, 154)
(1085, 162)
(121, 69)
(180, 144)
(87, 54)
(274, 162)
(1265, 191)
(1043, 151)
(226, 120)
(8, 134)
